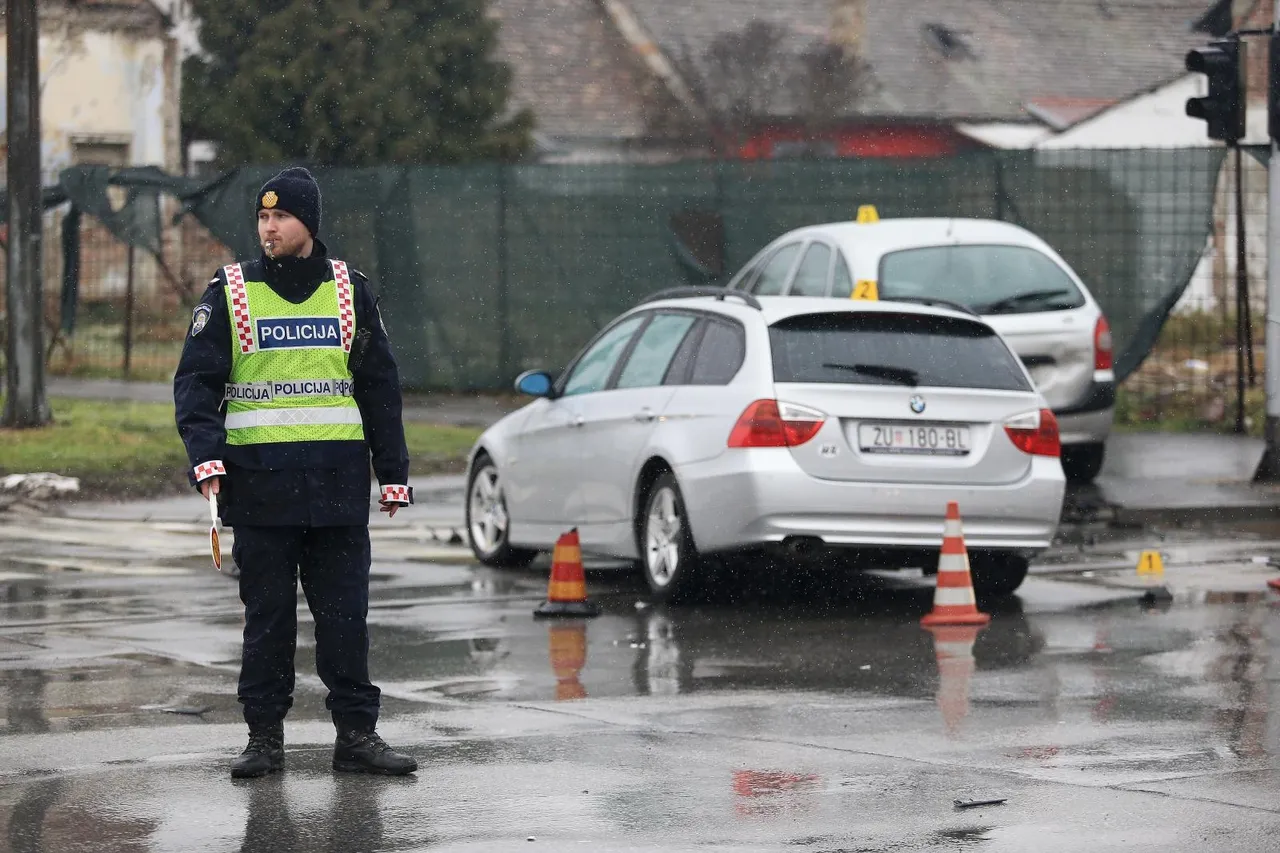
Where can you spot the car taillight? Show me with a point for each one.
(1035, 433)
(1102, 359)
(768, 423)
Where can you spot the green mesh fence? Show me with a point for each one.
(490, 270)
(485, 271)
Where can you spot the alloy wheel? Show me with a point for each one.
(663, 532)
(489, 519)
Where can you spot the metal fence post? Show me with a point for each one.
(505, 367)
(1242, 283)
(128, 313)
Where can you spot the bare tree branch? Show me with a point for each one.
(750, 77)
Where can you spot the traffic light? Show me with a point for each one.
(1223, 62)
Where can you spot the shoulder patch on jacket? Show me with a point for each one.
(200, 318)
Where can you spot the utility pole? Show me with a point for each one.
(1269, 467)
(24, 401)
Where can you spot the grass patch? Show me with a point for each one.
(1188, 381)
(437, 448)
(1192, 410)
(132, 450)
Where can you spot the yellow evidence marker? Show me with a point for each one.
(1151, 563)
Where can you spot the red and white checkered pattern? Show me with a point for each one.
(212, 468)
(396, 495)
(240, 307)
(346, 303)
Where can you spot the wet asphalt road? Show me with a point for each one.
(804, 714)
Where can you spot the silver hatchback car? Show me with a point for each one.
(699, 424)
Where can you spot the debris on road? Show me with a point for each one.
(34, 493)
(973, 804)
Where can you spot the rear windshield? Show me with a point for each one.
(892, 349)
(988, 279)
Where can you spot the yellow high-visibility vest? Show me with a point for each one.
(289, 375)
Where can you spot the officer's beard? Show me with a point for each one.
(280, 248)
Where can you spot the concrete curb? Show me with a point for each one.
(1083, 508)
(1181, 516)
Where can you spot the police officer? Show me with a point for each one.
(286, 389)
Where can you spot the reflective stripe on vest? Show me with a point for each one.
(285, 389)
(239, 300)
(305, 416)
(346, 304)
(290, 381)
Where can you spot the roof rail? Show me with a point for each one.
(933, 300)
(693, 291)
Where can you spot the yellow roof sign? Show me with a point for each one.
(866, 289)
(867, 213)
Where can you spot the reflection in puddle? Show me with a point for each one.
(759, 793)
(1241, 668)
(568, 648)
(352, 819)
(659, 663)
(953, 648)
(964, 836)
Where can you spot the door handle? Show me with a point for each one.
(644, 415)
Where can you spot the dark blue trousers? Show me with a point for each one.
(333, 563)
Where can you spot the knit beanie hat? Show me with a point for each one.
(295, 191)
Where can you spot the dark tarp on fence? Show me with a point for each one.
(488, 270)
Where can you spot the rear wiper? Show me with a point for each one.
(901, 375)
(1002, 305)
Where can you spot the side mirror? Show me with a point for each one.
(535, 383)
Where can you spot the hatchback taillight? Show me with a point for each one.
(1035, 433)
(768, 423)
(1102, 358)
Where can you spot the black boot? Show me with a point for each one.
(364, 752)
(263, 755)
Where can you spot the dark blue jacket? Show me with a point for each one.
(315, 483)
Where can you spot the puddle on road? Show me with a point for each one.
(111, 690)
(469, 633)
(1180, 666)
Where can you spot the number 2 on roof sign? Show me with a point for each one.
(866, 289)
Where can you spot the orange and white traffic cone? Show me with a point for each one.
(953, 599)
(953, 646)
(567, 589)
(568, 648)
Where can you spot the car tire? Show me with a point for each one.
(1082, 462)
(997, 575)
(668, 558)
(488, 523)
